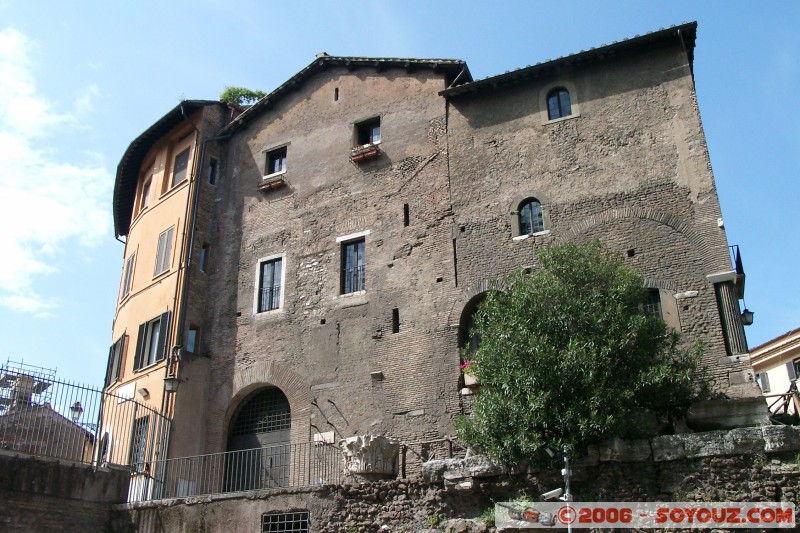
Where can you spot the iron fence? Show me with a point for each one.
(43, 416)
(271, 467)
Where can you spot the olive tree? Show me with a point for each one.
(568, 358)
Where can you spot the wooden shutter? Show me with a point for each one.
(140, 346)
(669, 310)
(790, 368)
(163, 336)
(116, 363)
(108, 367)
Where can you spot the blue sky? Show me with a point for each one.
(80, 80)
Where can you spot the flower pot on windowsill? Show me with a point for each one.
(364, 153)
(272, 182)
(470, 381)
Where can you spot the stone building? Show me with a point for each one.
(332, 240)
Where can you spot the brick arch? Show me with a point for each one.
(484, 285)
(273, 374)
(647, 213)
(659, 283)
(706, 252)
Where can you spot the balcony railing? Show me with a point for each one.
(270, 298)
(279, 466)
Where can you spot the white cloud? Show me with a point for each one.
(47, 203)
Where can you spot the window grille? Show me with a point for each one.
(284, 522)
(267, 411)
(652, 303)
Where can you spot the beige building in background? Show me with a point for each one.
(776, 364)
(156, 198)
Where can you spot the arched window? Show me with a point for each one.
(467, 337)
(531, 218)
(558, 104)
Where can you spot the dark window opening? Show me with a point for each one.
(558, 104)
(191, 339)
(276, 160)
(469, 339)
(395, 320)
(354, 266)
(406, 215)
(201, 264)
(652, 303)
(211, 174)
(180, 168)
(146, 193)
(531, 217)
(631, 252)
(269, 285)
(368, 132)
(336, 94)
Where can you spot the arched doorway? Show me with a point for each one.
(260, 437)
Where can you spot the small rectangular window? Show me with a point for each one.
(211, 172)
(406, 215)
(201, 264)
(368, 132)
(353, 266)
(285, 522)
(395, 320)
(164, 251)
(180, 168)
(191, 339)
(276, 160)
(127, 277)
(269, 285)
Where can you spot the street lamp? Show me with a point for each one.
(171, 384)
(75, 411)
(747, 317)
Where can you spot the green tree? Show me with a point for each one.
(567, 358)
(240, 95)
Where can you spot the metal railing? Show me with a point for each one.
(280, 466)
(270, 298)
(40, 415)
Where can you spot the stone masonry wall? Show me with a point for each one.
(746, 464)
(49, 496)
(629, 168)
